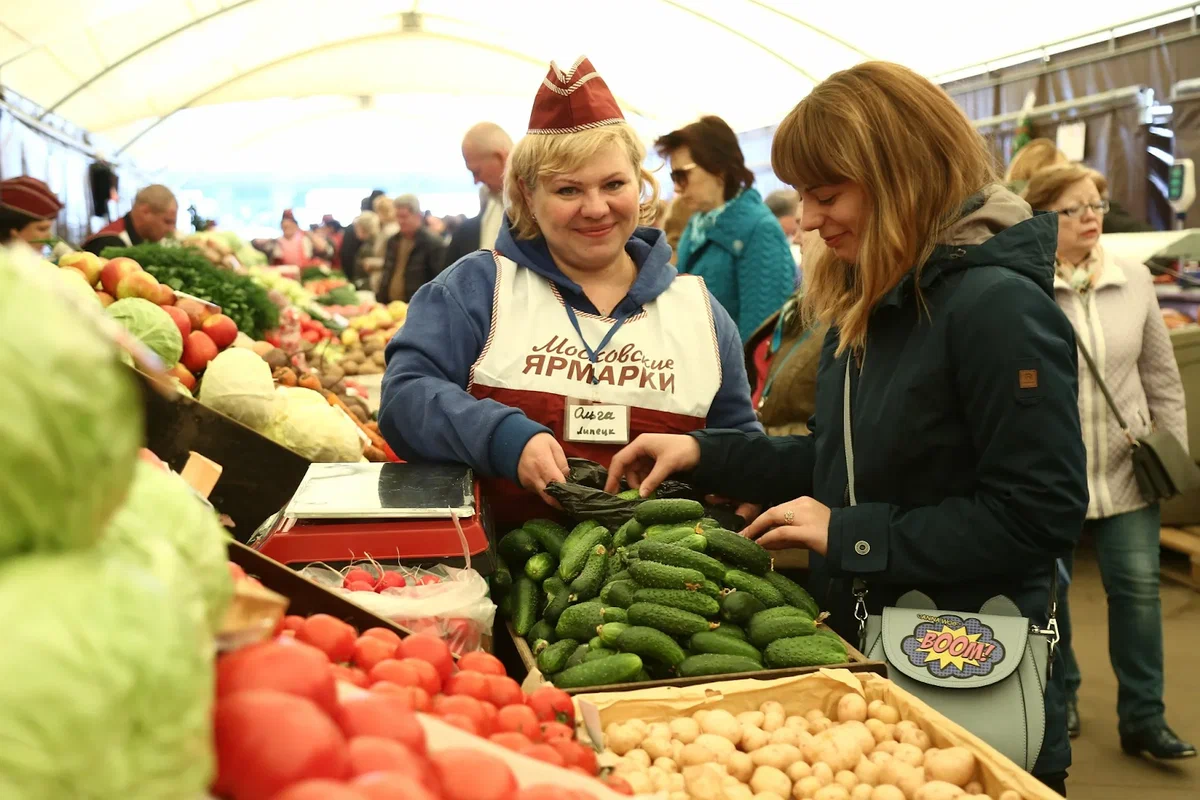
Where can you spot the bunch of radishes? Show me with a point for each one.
(361, 579)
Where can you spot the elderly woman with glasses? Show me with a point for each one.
(1114, 310)
(732, 239)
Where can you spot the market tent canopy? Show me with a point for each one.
(186, 83)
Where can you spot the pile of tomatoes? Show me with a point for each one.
(283, 732)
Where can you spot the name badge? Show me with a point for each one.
(597, 423)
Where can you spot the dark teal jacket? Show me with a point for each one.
(969, 463)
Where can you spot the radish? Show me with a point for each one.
(358, 574)
(429, 579)
(390, 580)
(359, 586)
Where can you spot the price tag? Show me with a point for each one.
(597, 423)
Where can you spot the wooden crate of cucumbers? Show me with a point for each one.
(669, 598)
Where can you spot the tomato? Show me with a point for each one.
(553, 731)
(377, 754)
(377, 714)
(391, 786)
(544, 752)
(513, 741)
(414, 697)
(429, 648)
(547, 792)
(619, 785)
(485, 777)
(489, 715)
(293, 622)
(586, 759)
(520, 719)
(236, 572)
(349, 675)
(332, 636)
(427, 675)
(553, 705)
(395, 671)
(268, 740)
(479, 661)
(384, 634)
(505, 691)
(320, 790)
(370, 650)
(282, 665)
(567, 750)
(462, 705)
(462, 722)
(471, 684)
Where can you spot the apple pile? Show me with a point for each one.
(204, 329)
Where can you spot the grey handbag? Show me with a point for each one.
(984, 670)
(1161, 466)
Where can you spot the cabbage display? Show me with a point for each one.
(306, 423)
(164, 527)
(106, 683)
(238, 384)
(72, 420)
(153, 326)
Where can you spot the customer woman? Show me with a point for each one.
(732, 239)
(1114, 310)
(27, 211)
(959, 370)
(576, 333)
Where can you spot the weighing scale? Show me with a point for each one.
(392, 512)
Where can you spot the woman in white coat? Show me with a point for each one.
(1114, 310)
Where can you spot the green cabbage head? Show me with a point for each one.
(152, 325)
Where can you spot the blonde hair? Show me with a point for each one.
(368, 222)
(385, 207)
(537, 157)
(916, 183)
(1036, 155)
(1047, 185)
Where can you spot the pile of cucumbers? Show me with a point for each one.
(668, 594)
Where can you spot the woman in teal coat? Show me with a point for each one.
(732, 240)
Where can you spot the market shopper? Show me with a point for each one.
(485, 151)
(575, 334)
(732, 239)
(297, 247)
(28, 209)
(151, 219)
(1114, 310)
(969, 470)
(414, 255)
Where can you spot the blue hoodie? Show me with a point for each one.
(426, 413)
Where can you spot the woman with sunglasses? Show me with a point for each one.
(732, 240)
(1114, 310)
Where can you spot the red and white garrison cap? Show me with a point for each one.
(574, 100)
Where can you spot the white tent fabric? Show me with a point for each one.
(250, 85)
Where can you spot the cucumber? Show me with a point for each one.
(642, 677)
(502, 578)
(622, 575)
(582, 528)
(695, 602)
(693, 541)
(577, 657)
(670, 532)
(737, 551)
(540, 567)
(618, 668)
(595, 642)
(542, 630)
(669, 620)
(707, 524)
(580, 621)
(557, 602)
(554, 658)
(716, 664)
(739, 607)
(732, 630)
(612, 565)
(516, 547)
(764, 631)
(652, 575)
(525, 601)
(630, 494)
(505, 608)
(628, 533)
(576, 549)
(587, 584)
(714, 591)
(609, 631)
(793, 593)
(596, 653)
(652, 512)
(613, 614)
(804, 651)
(619, 594)
(550, 535)
(779, 612)
(677, 555)
(723, 644)
(650, 644)
(752, 584)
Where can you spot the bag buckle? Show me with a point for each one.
(860, 610)
(1050, 631)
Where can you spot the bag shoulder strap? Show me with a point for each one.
(847, 436)
(1108, 398)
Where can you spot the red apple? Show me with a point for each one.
(185, 377)
(138, 284)
(87, 263)
(165, 296)
(116, 269)
(106, 299)
(198, 350)
(197, 312)
(181, 320)
(221, 329)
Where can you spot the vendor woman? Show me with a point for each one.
(575, 334)
(27, 211)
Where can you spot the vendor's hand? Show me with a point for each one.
(747, 511)
(800, 523)
(542, 461)
(651, 458)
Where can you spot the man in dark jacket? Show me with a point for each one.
(485, 150)
(414, 255)
(151, 219)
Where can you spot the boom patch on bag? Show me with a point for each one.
(952, 647)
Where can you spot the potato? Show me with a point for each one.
(638, 756)
(798, 771)
(684, 729)
(722, 723)
(938, 790)
(907, 753)
(1009, 794)
(823, 772)
(703, 782)
(656, 747)
(754, 738)
(738, 791)
(839, 752)
(847, 779)
(852, 706)
(680, 795)
(700, 715)
(658, 730)
(867, 772)
(767, 796)
(815, 715)
(778, 756)
(893, 770)
(658, 778)
(665, 764)
(769, 779)
(639, 782)
(789, 736)
(741, 766)
(822, 725)
(877, 709)
(879, 730)
(675, 782)
(797, 723)
(910, 783)
(832, 792)
(639, 725)
(862, 792)
(622, 738)
(866, 740)
(694, 754)
(887, 792)
(755, 718)
(719, 745)
(918, 739)
(676, 749)
(878, 757)
(886, 747)
(954, 765)
(773, 716)
(974, 787)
